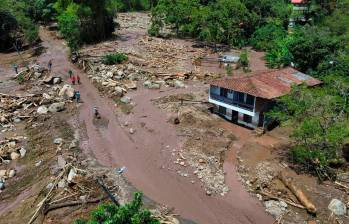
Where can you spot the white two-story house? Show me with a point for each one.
(244, 99)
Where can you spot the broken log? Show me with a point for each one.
(303, 199)
(282, 199)
(106, 190)
(71, 203)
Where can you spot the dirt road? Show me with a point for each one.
(146, 153)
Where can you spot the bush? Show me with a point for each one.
(130, 213)
(279, 55)
(112, 59)
(244, 59)
(263, 38)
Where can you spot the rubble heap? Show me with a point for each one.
(197, 126)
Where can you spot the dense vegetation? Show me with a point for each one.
(314, 41)
(112, 59)
(80, 21)
(131, 213)
(14, 18)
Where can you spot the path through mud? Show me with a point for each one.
(146, 152)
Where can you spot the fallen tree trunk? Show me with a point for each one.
(71, 203)
(303, 199)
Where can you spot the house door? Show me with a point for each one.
(234, 116)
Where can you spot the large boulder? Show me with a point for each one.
(56, 107)
(42, 110)
(337, 207)
(67, 91)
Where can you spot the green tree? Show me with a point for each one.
(263, 38)
(319, 117)
(12, 11)
(279, 55)
(131, 213)
(310, 45)
(69, 26)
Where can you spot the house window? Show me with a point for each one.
(222, 110)
(249, 100)
(239, 97)
(247, 119)
(224, 92)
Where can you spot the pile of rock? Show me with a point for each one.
(15, 108)
(208, 170)
(4, 175)
(10, 149)
(32, 73)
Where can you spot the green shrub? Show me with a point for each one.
(244, 59)
(112, 59)
(131, 213)
(279, 55)
(263, 38)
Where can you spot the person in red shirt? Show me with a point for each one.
(73, 79)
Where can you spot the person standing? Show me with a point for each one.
(77, 96)
(70, 72)
(73, 80)
(49, 65)
(15, 68)
(78, 79)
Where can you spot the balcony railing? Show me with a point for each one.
(231, 102)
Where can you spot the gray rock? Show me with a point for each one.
(42, 110)
(132, 131)
(61, 162)
(22, 151)
(275, 208)
(109, 75)
(119, 91)
(337, 207)
(67, 91)
(125, 99)
(14, 155)
(179, 84)
(2, 185)
(57, 80)
(71, 175)
(56, 107)
(155, 86)
(17, 120)
(61, 184)
(11, 173)
(58, 141)
(38, 163)
(49, 186)
(3, 173)
(147, 83)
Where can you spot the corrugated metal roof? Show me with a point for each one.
(267, 84)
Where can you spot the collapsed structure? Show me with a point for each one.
(244, 99)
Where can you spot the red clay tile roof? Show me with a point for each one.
(297, 1)
(267, 84)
